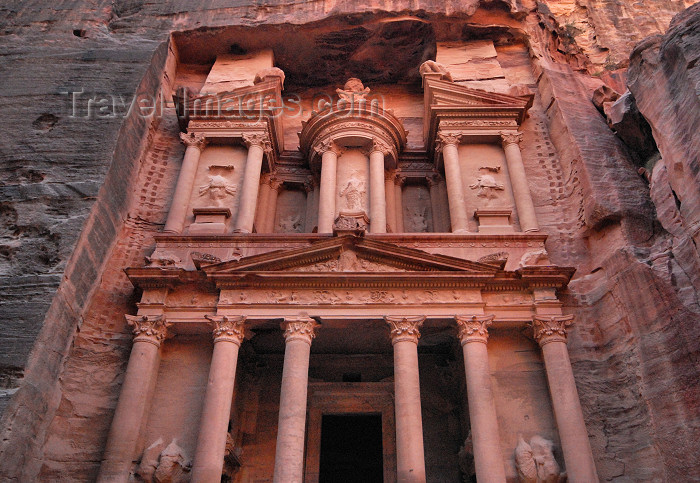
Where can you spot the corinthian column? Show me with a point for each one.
(473, 335)
(377, 205)
(410, 458)
(447, 143)
(258, 144)
(329, 152)
(289, 456)
(213, 427)
(550, 333)
(399, 180)
(521, 188)
(183, 190)
(135, 397)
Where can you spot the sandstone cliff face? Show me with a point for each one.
(77, 205)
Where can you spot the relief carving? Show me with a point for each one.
(487, 187)
(217, 188)
(290, 223)
(161, 465)
(352, 193)
(535, 462)
(353, 90)
(417, 222)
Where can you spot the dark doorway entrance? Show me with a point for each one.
(351, 449)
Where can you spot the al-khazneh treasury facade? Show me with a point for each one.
(348, 290)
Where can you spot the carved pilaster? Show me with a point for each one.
(433, 179)
(228, 329)
(194, 140)
(300, 328)
(404, 328)
(473, 328)
(148, 328)
(510, 138)
(310, 184)
(445, 139)
(328, 145)
(551, 328)
(260, 139)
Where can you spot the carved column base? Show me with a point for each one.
(494, 221)
(209, 221)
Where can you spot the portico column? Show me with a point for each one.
(185, 181)
(271, 208)
(453, 178)
(213, 427)
(289, 456)
(473, 335)
(258, 144)
(410, 457)
(550, 333)
(437, 209)
(329, 152)
(399, 180)
(390, 200)
(377, 204)
(135, 397)
(518, 181)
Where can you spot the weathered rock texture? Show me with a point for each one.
(81, 196)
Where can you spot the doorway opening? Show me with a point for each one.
(351, 449)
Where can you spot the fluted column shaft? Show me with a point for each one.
(453, 179)
(257, 144)
(289, 455)
(398, 201)
(483, 420)
(518, 181)
(377, 206)
(213, 427)
(327, 193)
(134, 399)
(550, 333)
(410, 456)
(390, 201)
(185, 181)
(271, 207)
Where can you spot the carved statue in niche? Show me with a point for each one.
(487, 187)
(417, 221)
(352, 193)
(290, 223)
(353, 90)
(535, 461)
(217, 188)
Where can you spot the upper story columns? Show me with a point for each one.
(329, 151)
(258, 144)
(447, 144)
(185, 182)
(518, 181)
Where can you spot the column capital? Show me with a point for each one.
(510, 138)
(378, 146)
(227, 329)
(399, 179)
(260, 139)
(404, 328)
(310, 184)
(551, 328)
(148, 328)
(299, 328)
(328, 145)
(473, 328)
(433, 179)
(192, 139)
(446, 139)
(275, 183)
(389, 175)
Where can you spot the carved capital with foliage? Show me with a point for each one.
(299, 328)
(473, 328)
(260, 139)
(148, 328)
(378, 146)
(404, 329)
(228, 329)
(446, 139)
(511, 138)
(551, 328)
(329, 145)
(193, 140)
(433, 179)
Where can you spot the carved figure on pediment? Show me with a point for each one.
(352, 193)
(487, 187)
(534, 258)
(416, 220)
(432, 67)
(290, 223)
(535, 462)
(163, 260)
(353, 90)
(271, 72)
(217, 188)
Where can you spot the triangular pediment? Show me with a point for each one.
(446, 93)
(350, 254)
